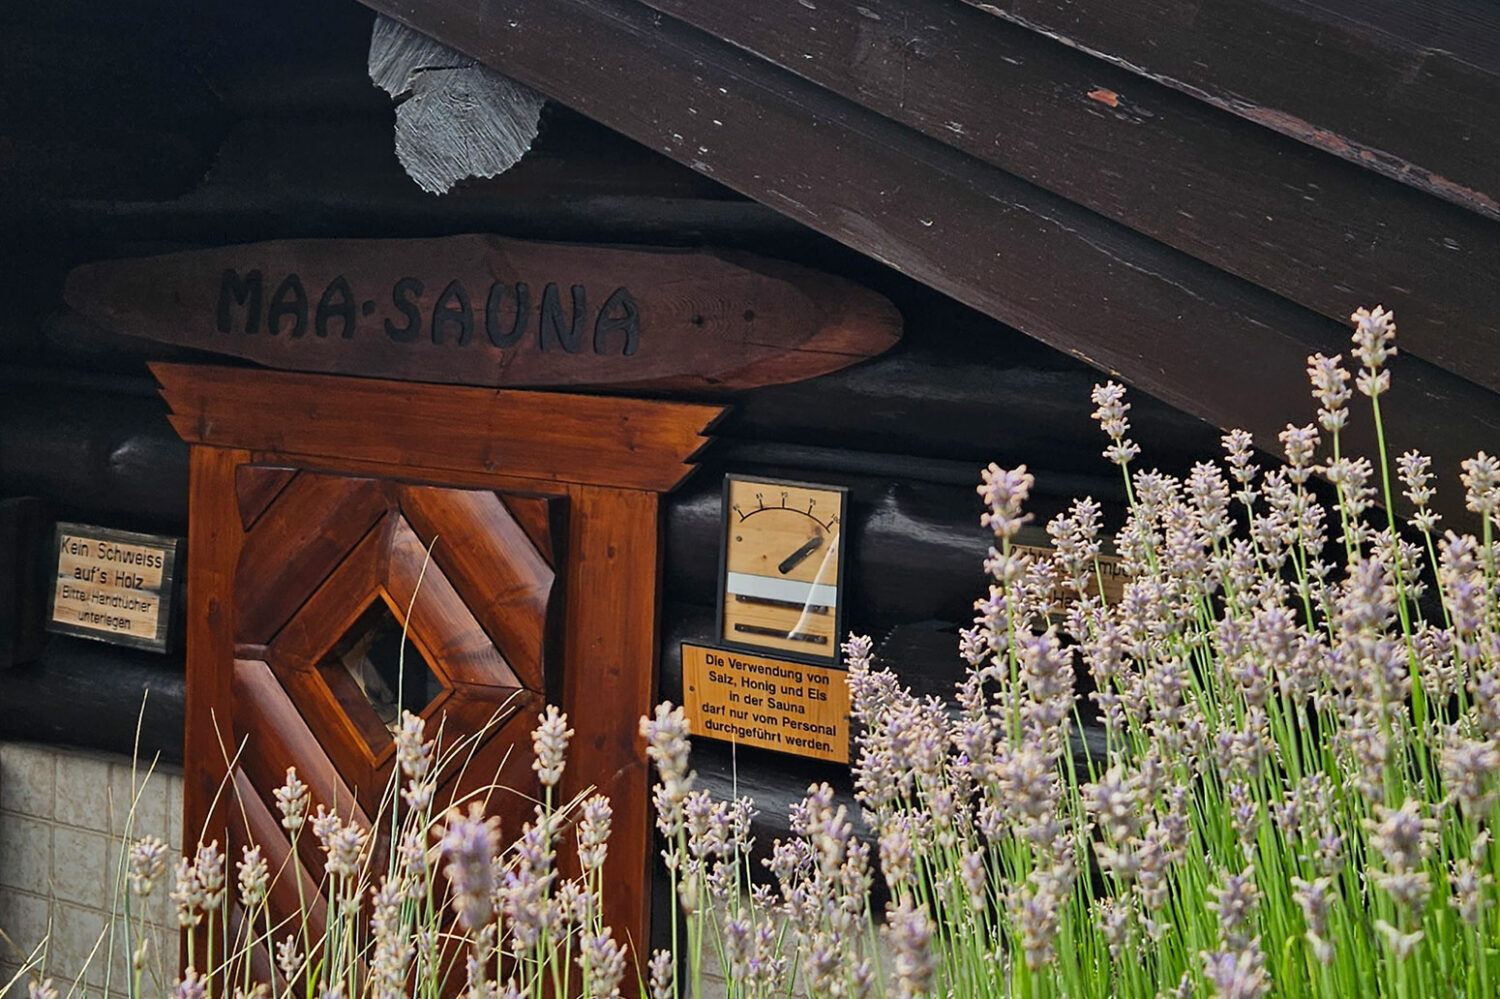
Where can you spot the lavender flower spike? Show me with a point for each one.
(1005, 492)
(593, 832)
(148, 862)
(292, 799)
(470, 844)
(412, 753)
(910, 935)
(190, 986)
(1237, 974)
(550, 740)
(254, 876)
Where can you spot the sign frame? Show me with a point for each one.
(166, 619)
(835, 659)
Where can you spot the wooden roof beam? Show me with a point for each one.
(1320, 231)
(1193, 336)
(1405, 89)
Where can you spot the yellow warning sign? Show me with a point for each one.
(768, 703)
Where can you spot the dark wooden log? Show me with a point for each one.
(913, 518)
(946, 398)
(350, 160)
(87, 93)
(92, 451)
(961, 387)
(486, 310)
(91, 695)
(1191, 335)
(23, 542)
(1404, 89)
(1320, 231)
(305, 175)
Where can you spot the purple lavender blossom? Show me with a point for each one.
(469, 843)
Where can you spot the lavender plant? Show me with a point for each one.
(1297, 794)
(418, 903)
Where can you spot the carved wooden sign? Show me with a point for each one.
(485, 310)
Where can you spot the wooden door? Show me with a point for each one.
(314, 504)
(332, 569)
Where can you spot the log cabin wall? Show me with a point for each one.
(1143, 221)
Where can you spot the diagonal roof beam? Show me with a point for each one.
(1323, 232)
(1195, 337)
(1405, 89)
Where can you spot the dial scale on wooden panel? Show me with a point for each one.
(782, 578)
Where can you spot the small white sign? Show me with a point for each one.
(113, 586)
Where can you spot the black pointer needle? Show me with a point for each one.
(793, 560)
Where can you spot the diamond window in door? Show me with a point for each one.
(376, 671)
(333, 569)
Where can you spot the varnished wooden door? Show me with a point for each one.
(326, 562)
(315, 498)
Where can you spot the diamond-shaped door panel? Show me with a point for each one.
(491, 557)
(302, 536)
(448, 573)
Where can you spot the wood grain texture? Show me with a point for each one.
(1406, 89)
(293, 548)
(490, 558)
(256, 486)
(485, 310)
(214, 536)
(254, 824)
(345, 727)
(498, 769)
(1052, 269)
(542, 518)
(335, 605)
(1325, 233)
(440, 620)
(454, 118)
(529, 435)
(277, 737)
(391, 564)
(609, 680)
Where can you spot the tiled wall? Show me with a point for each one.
(63, 817)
